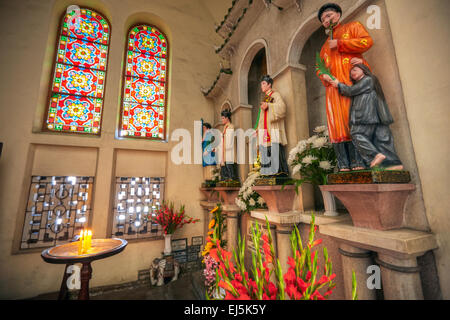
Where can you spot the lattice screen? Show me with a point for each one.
(58, 207)
(135, 199)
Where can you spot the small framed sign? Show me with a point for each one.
(196, 241)
(179, 244)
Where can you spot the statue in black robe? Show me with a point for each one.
(370, 119)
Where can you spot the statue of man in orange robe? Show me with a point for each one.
(341, 51)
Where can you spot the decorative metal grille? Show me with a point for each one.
(135, 199)
(57, 209)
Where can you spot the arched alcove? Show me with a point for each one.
(315, 91)
(258, 68)
(246, 64)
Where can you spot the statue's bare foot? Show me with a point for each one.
(394, 168)
(344, 170)
(358, 168)
(379, 158)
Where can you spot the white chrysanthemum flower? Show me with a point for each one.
(325, 165)
(320, 129)
(261, 201)
(308, 159)
(312, 139)
(296, 169)
(291, 158)
(320, 142)
(241, 204)
(252, 202)
(301, 146)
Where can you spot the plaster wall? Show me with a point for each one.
(29, 28)
(418, 30)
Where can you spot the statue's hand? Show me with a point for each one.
(354, 61)
(327, 78)
(335, 83)
(333, 43)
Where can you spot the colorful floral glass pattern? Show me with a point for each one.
(79, 76)
(144, 96)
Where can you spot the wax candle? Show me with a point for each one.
(84, 240)
(88, 240)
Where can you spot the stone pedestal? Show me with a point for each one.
(210, 194)
(373, 206)
(207, 207)
(228, 196)
(279, 199)
(358, 260)
(397, 252)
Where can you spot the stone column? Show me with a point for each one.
(284, 223)
(228, 196)
(356, 259)
(400, 277)
(284, 249)
(207, 207)
(232, 215)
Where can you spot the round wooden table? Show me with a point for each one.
(68, 254)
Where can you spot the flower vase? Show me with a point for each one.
(329, 203)
(167, 244)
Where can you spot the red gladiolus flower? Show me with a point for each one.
(291, 262)
(224, 285)
(308, 276)
(273, 290)
(328, 293)
(302, 285)
(317, 295)
(290, 276)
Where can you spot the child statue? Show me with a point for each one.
(370, 119)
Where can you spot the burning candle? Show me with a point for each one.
(88, 240)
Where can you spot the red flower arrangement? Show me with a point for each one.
(301, 281)
(170, 220)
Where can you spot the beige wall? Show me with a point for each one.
(26, 69)
(420, 33)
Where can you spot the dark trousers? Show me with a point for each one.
(347, 155)
(229, 172)
(373, 139)
(272, 163)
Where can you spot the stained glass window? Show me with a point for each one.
(78, 83)
(145, 85)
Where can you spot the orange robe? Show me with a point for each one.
(353, 40)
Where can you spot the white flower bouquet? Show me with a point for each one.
(313, 158)
(248, 199)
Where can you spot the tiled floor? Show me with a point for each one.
(188, 287)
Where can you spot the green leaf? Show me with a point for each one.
(354, 291)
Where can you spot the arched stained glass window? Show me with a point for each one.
(76, 99)
(144, 100)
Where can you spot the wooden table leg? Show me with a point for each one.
(85, 276)
(63, 289)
